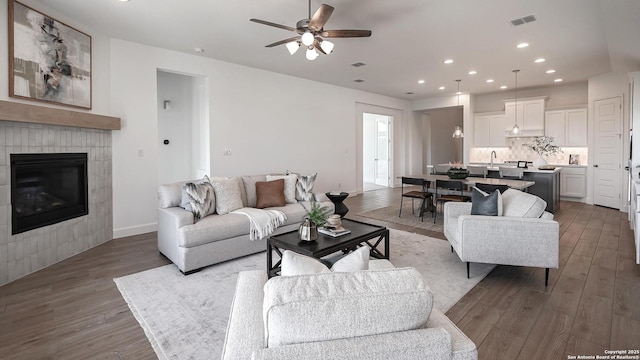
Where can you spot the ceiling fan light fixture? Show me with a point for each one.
(311, 53)
(307, 38)
(293, 47)
(327, 46)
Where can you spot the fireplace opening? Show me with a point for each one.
(47, 189)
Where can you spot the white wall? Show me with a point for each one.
(271, 122)
(368, 147)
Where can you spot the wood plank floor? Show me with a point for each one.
(73, 310)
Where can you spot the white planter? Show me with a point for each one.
(540, 161)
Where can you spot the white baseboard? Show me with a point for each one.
(134, 230)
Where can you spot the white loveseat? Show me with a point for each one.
(382, 313)
(192, 245)
(525, 234)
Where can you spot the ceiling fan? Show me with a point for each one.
(311, 33)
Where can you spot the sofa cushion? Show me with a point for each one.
(485, 204)
(298, 264)
(170, 195)
(327, 306)
(304, 186)
(228, 197)
(213, 228)
(289, 186)
(250, 187)
(201, 200)
(270, 193)
(520, 204)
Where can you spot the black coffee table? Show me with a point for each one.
(361, 233)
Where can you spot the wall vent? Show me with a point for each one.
(358, 64)
(523, 20)
(358, 80)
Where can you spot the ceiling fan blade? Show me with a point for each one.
(346, 33)
(268, 23)
(284, 41)
(320, 17)
(316, 44)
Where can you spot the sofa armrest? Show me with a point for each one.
(245, 332)
(176, 216)
(509, 240)
(432, 343)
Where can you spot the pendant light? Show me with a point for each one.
(457, 131)
(516, 129)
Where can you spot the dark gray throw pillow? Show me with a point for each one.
(484, 205)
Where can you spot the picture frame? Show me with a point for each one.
(49, 61)
(574, 159)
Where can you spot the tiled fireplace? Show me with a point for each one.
(26, 252)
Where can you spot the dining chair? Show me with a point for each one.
(478, 170)
(423, 194)
(448, 190)
(510, 172)
(441, 169)
(489, 188)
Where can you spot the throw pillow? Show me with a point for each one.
(520, 204)
(199, 198)
(289, 186)
(228, 196)
(270, 193)
(483, 204)
(250, 187)
(297, 264)
(304, 186)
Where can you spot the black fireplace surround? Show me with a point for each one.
(47, 189)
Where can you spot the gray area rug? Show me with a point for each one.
(390, 214)
(185, 317)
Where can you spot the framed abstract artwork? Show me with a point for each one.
(49, 61)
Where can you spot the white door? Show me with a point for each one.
(607, 162)
(382, 142)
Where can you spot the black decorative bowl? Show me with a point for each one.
(458, 173)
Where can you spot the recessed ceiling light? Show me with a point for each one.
(489, 80)
(522, 45)
(123, 0)
(472, 72)
(420, 81)
(550, 71)
(448, 61)
(539, 60)
(557, 80)
(503, 87)
(441, 88)
(198, 50)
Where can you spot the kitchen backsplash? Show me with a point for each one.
(517, 151)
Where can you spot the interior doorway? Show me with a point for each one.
(183, 127)
(608, 159)
(376, 150)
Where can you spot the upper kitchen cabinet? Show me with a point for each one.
(489, 130)
(567, 127)
(530, 113)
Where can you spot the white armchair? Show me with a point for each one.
(525, 235)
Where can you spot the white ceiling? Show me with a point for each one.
(410, 40)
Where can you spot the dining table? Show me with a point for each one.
(470, 181)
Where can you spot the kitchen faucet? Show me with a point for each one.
(493, 155)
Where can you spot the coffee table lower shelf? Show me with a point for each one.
(361, 233)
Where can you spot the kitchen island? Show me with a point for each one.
(547, 184)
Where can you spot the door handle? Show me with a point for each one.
(595, 165)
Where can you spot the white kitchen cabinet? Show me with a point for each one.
(567, 127)
(573, 182)
(489, 130)
(530, 113)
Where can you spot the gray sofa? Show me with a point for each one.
(215, 238)
(383, 313)
(525, 234)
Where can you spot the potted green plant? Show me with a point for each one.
(315, 216)
(542, 145)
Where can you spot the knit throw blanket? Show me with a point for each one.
(263, 222)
